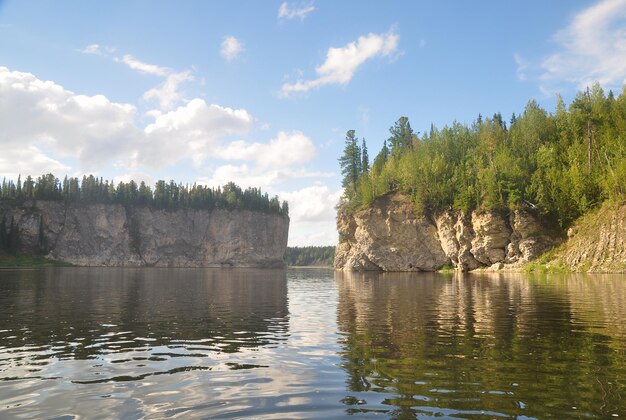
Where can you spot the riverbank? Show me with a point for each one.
(29, 261)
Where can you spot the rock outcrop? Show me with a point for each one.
(114, 235)
(387, 236)
(596, 243)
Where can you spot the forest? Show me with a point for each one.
(166, 195)
(560, 164)
(310, 256)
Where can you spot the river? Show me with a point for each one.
(309, 343)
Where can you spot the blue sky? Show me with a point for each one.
(262, 92)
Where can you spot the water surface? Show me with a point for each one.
(154, 343)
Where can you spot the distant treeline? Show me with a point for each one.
(166, 195)
(310, 256)
(562, 164)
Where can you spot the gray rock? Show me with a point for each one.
(112, 235)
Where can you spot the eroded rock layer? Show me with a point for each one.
(387, 236)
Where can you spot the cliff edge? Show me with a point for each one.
(387, 236)
(115, 235)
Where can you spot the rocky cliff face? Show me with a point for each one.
(112, 235)
(388, 236)
(596, 243)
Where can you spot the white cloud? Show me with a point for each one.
(312, 213)
(591, 48)
(286, 149)
(167, 93)
(522, 66)
(291, 12)
(92, 49)
(255, 176)
(342, 63)
(142, 67)
(231, 48)
(191, 131)
(28, 160)
(138, 177)
(41, 113)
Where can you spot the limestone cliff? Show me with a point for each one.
(114, 235)
(388, 236)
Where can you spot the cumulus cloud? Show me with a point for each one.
(286, 149)
(285, 11)
(341, 63)
(255, 176)
(38, 115)
(28, 160)
(231, 48)
(191, 131)
(591, 48)
(167, 93)
(35, 112)
(312, 213)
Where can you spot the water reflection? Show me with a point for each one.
(98, 326)
(82, 313)
(154, 343)
(495, 345)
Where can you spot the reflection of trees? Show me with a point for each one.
(506, 344)
(83, 312)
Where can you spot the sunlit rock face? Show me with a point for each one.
(114, 235)
(387, 236)
(597, 242)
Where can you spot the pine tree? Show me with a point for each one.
(365, 166)
(402, 136)
(350, 163)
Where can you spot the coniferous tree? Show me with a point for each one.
(365, 166)
(350, 163)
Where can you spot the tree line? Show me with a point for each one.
(310, 256)
(561, 164)
(165, 195)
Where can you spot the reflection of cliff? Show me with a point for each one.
(506, 344)
(107, 310)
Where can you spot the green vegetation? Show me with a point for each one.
(166, 195)
(561, 164)
(310, 256)
(31, 261)
(547, 263)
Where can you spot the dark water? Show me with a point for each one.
(155, 343)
